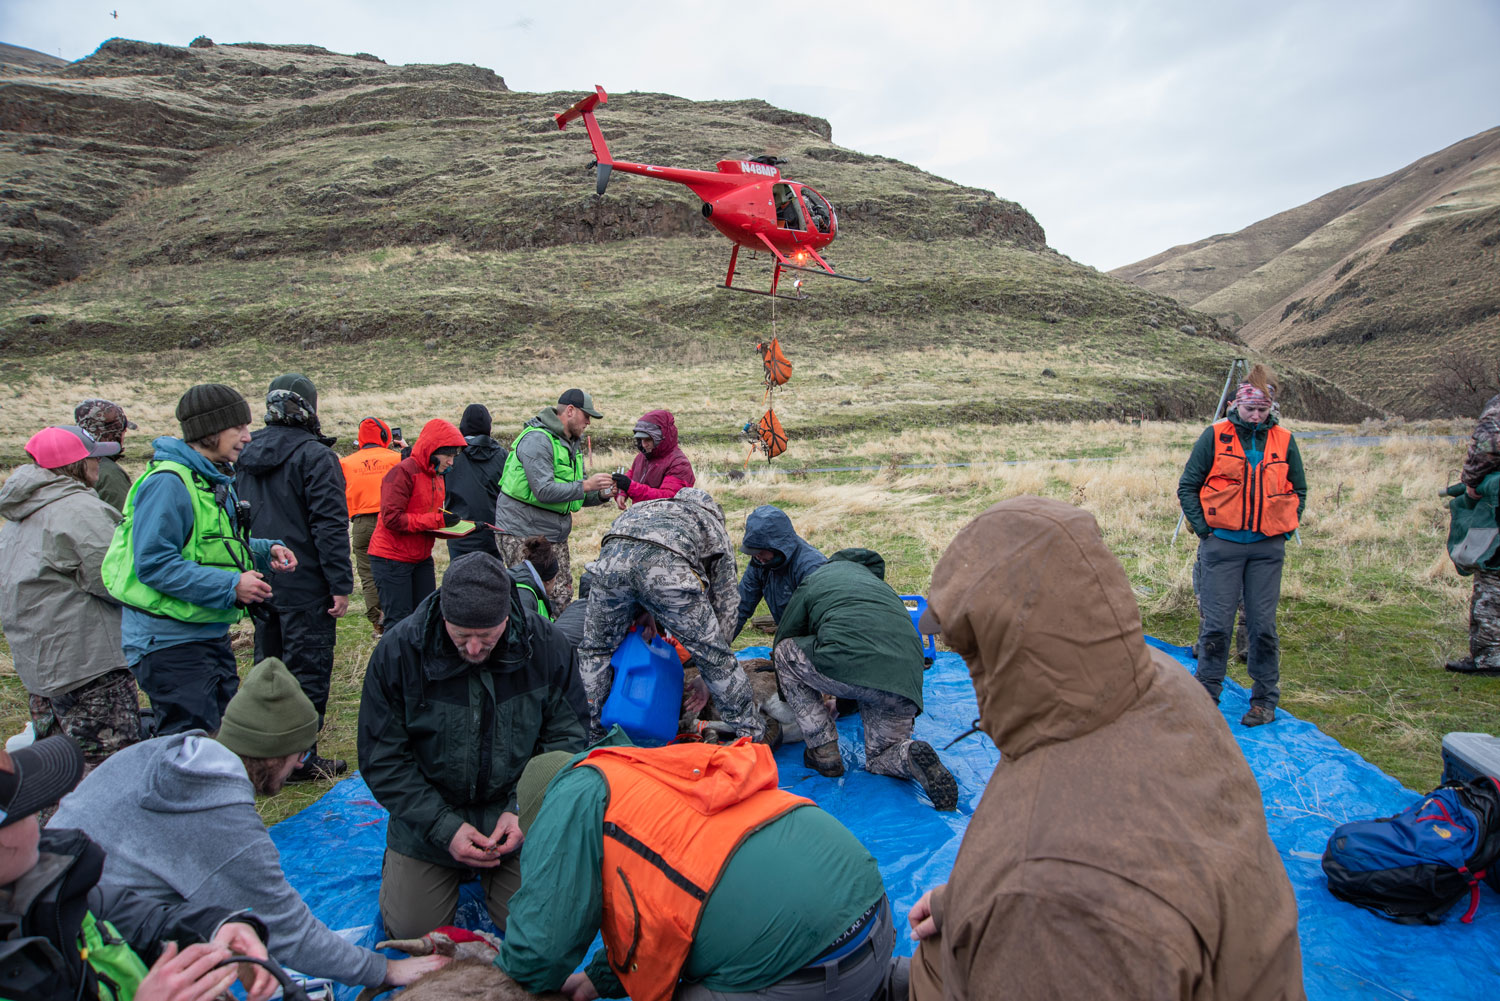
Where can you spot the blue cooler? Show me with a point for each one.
(1469, 755)
(646, 697)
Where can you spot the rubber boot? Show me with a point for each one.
(824, 759)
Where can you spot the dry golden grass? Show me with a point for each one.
(1370, 603)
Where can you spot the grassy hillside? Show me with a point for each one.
(166, 198)
(1384, 286)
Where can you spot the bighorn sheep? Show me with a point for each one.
(472, 976)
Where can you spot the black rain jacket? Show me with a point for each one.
(295, 486)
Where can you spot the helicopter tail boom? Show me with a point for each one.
(585, 109)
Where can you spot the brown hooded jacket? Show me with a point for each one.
(1120, 849)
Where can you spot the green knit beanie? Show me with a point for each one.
(535, 777)
(269, 717)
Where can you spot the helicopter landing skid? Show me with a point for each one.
(769, 295)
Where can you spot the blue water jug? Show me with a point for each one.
(646, 697)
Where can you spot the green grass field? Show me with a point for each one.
(1371, 607)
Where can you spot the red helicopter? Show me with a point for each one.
(746, 200)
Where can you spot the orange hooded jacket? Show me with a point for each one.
(367, 466)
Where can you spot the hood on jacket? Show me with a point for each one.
(547, 418)
(768, 527)
(664, 420)
(436, 433)
(273, 445)
(167, 448)
(480, 447)
(188, 772)
(1043, 614)
(867, 558)
(372, 431)
(700, 498)
(31, 488)
(710, 777)
(476, 421)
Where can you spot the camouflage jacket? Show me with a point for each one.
(1484, 451)
(691, 526)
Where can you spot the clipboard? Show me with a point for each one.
(457, 531)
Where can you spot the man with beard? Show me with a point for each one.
(458, 697)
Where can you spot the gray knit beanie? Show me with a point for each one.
(209, 409)
(475, 592)
(270, 716)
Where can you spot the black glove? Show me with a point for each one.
(450, 519)
(622, 482)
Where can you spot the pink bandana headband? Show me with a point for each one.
(1249, 394)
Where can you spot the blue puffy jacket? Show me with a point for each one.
(768, 527)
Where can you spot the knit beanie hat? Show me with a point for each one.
(475, 592)
(209, 409)
(269, 717)
(475, 421)
(532, 786)
(297, 383)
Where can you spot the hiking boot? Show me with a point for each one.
(318, 769)
(824, 759)
(1257, 716)
(928, 770)
(1466, 665)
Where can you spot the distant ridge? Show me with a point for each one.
(1387, 286)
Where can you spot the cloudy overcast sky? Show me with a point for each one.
(1124, 127)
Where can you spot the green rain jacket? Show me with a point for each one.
(853, 627)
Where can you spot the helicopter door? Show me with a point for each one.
(788, 214)
(819, 209)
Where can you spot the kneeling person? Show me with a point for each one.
(672, 853)
(458, 696)
(672, 558)
(846, 633)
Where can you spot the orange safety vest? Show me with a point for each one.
(363, 471)
(1239, 498)
(676, 815)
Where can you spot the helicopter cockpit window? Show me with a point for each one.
(788, 216)
(822, 215)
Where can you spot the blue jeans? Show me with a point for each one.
(1232, 570)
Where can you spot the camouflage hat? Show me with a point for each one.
(103, 419)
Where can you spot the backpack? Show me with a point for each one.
(1413, 867)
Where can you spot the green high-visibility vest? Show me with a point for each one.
(117, 967)
(543, 607)
(567, 467)
(213, 543)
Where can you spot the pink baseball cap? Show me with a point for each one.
(58, 446)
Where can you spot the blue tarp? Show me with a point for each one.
(331, 851)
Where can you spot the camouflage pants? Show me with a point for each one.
(887, 717)
(1484, 620)
(559, 588)
(630, 576)
(102, 716)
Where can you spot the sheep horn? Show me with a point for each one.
(411, 946)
